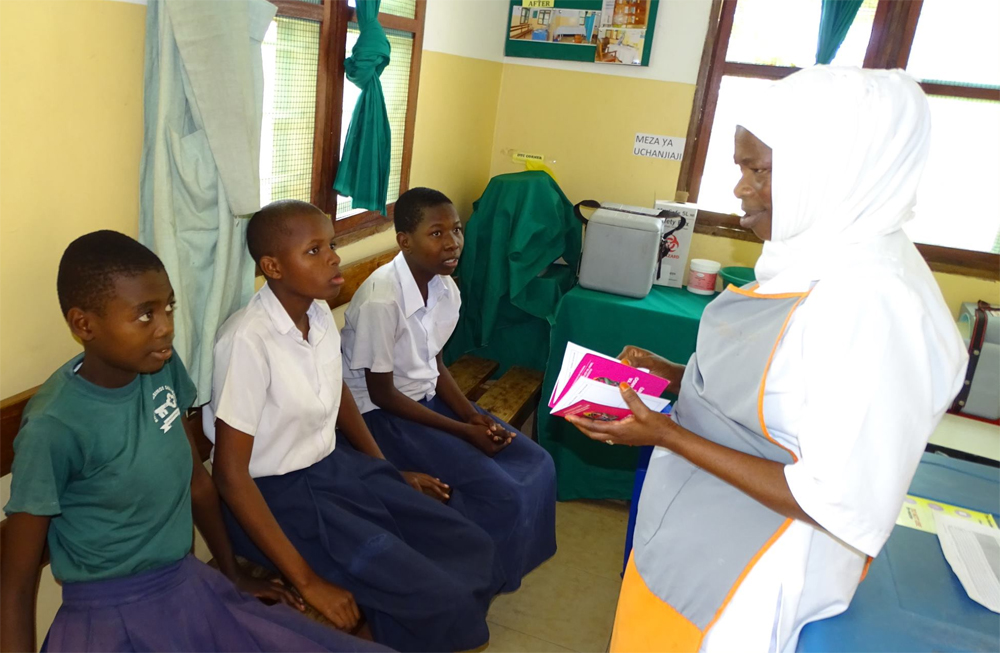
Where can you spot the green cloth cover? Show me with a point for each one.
(521, 224)
(665, 322)
(363, 173)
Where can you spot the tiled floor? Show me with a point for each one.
(567, 604)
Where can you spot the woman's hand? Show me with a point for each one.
(643, 427)
(658, 365)
(432, 487)
(270, 590)
(334, 603)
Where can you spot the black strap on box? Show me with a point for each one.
(983, 310)
(664, 214)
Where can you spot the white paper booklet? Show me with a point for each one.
(973, 551)
(571, 359)
(595, 400)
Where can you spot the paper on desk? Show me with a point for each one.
(973, 551)
(918, 513)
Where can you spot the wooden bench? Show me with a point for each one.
(471, 373)
(514, 396)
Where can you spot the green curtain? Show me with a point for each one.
(363, 173)
(835, 21)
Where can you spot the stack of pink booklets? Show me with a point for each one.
(587, 385)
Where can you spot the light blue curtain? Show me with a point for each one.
(589, 20)
(363, 173)
(199, 175)
(835, 21)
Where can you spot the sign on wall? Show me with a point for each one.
(602, 31)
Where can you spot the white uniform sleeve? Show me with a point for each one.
(241, 378)
(875, 390)
(374, 337)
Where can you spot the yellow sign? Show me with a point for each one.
(538, 4)
(525, 156)
(919, 513)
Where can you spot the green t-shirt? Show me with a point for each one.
(111, 467)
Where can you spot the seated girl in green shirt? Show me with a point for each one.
(106, 471)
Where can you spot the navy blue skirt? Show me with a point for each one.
(186, 606)
(512, 496)
(422, 574)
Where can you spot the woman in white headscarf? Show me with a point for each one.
(804, 411)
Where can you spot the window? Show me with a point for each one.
(308, 103)
(950, 46)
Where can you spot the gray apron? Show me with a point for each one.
(695, 534)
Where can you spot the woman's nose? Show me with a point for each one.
(742, 188)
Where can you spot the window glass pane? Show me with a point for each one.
(290, 55)
(404, 8)
(959, 195)
(956, 41)
(395, 86)
(721, 174)
(785, 33)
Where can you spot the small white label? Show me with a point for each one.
(670, 148)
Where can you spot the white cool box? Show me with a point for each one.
(629, 248)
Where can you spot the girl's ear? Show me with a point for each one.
(270, 267)
(81, 323)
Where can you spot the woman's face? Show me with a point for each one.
(754, 188)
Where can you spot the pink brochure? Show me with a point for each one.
(612, 372)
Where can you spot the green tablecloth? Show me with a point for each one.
(665, 321)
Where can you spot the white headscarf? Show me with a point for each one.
(849, 148)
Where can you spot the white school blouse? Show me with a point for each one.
(387, 328)
(273, 384)
(867, 366)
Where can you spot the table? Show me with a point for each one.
(665, 321)
(911, 600)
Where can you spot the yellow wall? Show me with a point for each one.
(71, 120)
(586, 123)
(453, 137)
(957, 289)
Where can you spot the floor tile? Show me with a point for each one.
(508, 640)
(591, 536)
(563, 604)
